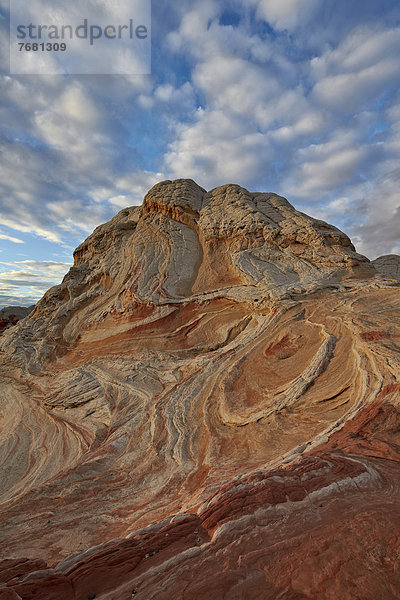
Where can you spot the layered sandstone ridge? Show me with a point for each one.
(206, 407)
(388, 265)
(184, 243)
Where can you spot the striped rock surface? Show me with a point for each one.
(206, 407)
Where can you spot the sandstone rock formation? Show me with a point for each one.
(206, 407)
(388, 265)
(10, 315)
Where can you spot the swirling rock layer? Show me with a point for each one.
(206, 407)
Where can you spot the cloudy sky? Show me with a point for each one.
(299, 97)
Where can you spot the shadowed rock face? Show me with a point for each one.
(388, 265)
(10, 315)
(207, 406)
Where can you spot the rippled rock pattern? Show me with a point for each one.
(206, 407)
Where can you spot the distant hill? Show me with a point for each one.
(10, 315)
